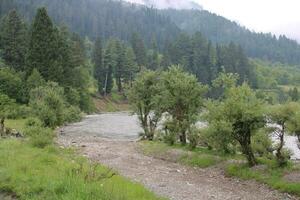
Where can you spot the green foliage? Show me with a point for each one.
(181, 96)
(262, 144)
(271, 175)
(42, 51)
(39, 136)
(241, 113)
(11, 84)
(282, 115)
(14, 40)
(142, 98)
(50, 172)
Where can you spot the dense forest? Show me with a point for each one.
(221, 30)
(105, 19)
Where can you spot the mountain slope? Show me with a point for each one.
(221, 30)
(165, 4)
(105, 18)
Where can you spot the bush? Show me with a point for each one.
(72, 114)
(48, 104)
(39, 136)
(30, 122)
(194, 137)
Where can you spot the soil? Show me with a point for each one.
(111, 139)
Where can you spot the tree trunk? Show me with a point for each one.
(2, 119)
(279, 156)
(119, 83)
(183, 138)
(245, 143)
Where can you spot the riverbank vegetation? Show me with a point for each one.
(50, 76)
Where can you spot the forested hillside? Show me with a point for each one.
(221, 30)
(100, 18)
(105, 19)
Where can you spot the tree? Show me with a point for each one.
(42, 51)
(139, 49)
(244, 112)
(240, 111)
(130, 65)
(109, 63)
(11, 84)
(34, 80)
(99, 72)
(294, 94)
(142, 99)
(281, 115)
(6, 106)
(182, 98)
(294, 124)
(14, 41)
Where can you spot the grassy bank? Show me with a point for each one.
(283, 179)
(198, 157)
(54, 173)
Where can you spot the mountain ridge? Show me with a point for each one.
(166, 4)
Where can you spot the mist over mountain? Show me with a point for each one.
(165, 4)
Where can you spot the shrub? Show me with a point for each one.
(72, 114)
(30, 122)
(194, 137)
(39, 136)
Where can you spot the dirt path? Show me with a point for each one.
(167, 179)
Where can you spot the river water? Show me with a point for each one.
(125, 126)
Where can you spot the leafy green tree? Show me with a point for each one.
(14, 41)
(294, 94)
(142, 99)
(244, 111)
(281, 115)
(34, 80)
(42, 48)
(6, 106)
(109, 63)
(11, 84)
(182, 98)
(240, 112)
(294, 124)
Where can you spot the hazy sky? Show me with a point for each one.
(277, 16)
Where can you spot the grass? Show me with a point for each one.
(270, 174)
(18, 124)
(198, 157)
(267, 172)
(53, 173)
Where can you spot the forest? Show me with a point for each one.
(58, 58)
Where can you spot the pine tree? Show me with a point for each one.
(139, 49)
(130, 65)
(42, 51)
(119, 68)
(14, 41)
(99, 72)
(109, 64)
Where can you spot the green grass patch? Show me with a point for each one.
(53, 173)
(198, 157)
(269, 174)
(18, 124)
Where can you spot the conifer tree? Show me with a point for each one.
(97, 59)
(139, 49)
(42, 51)
(14, 41)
